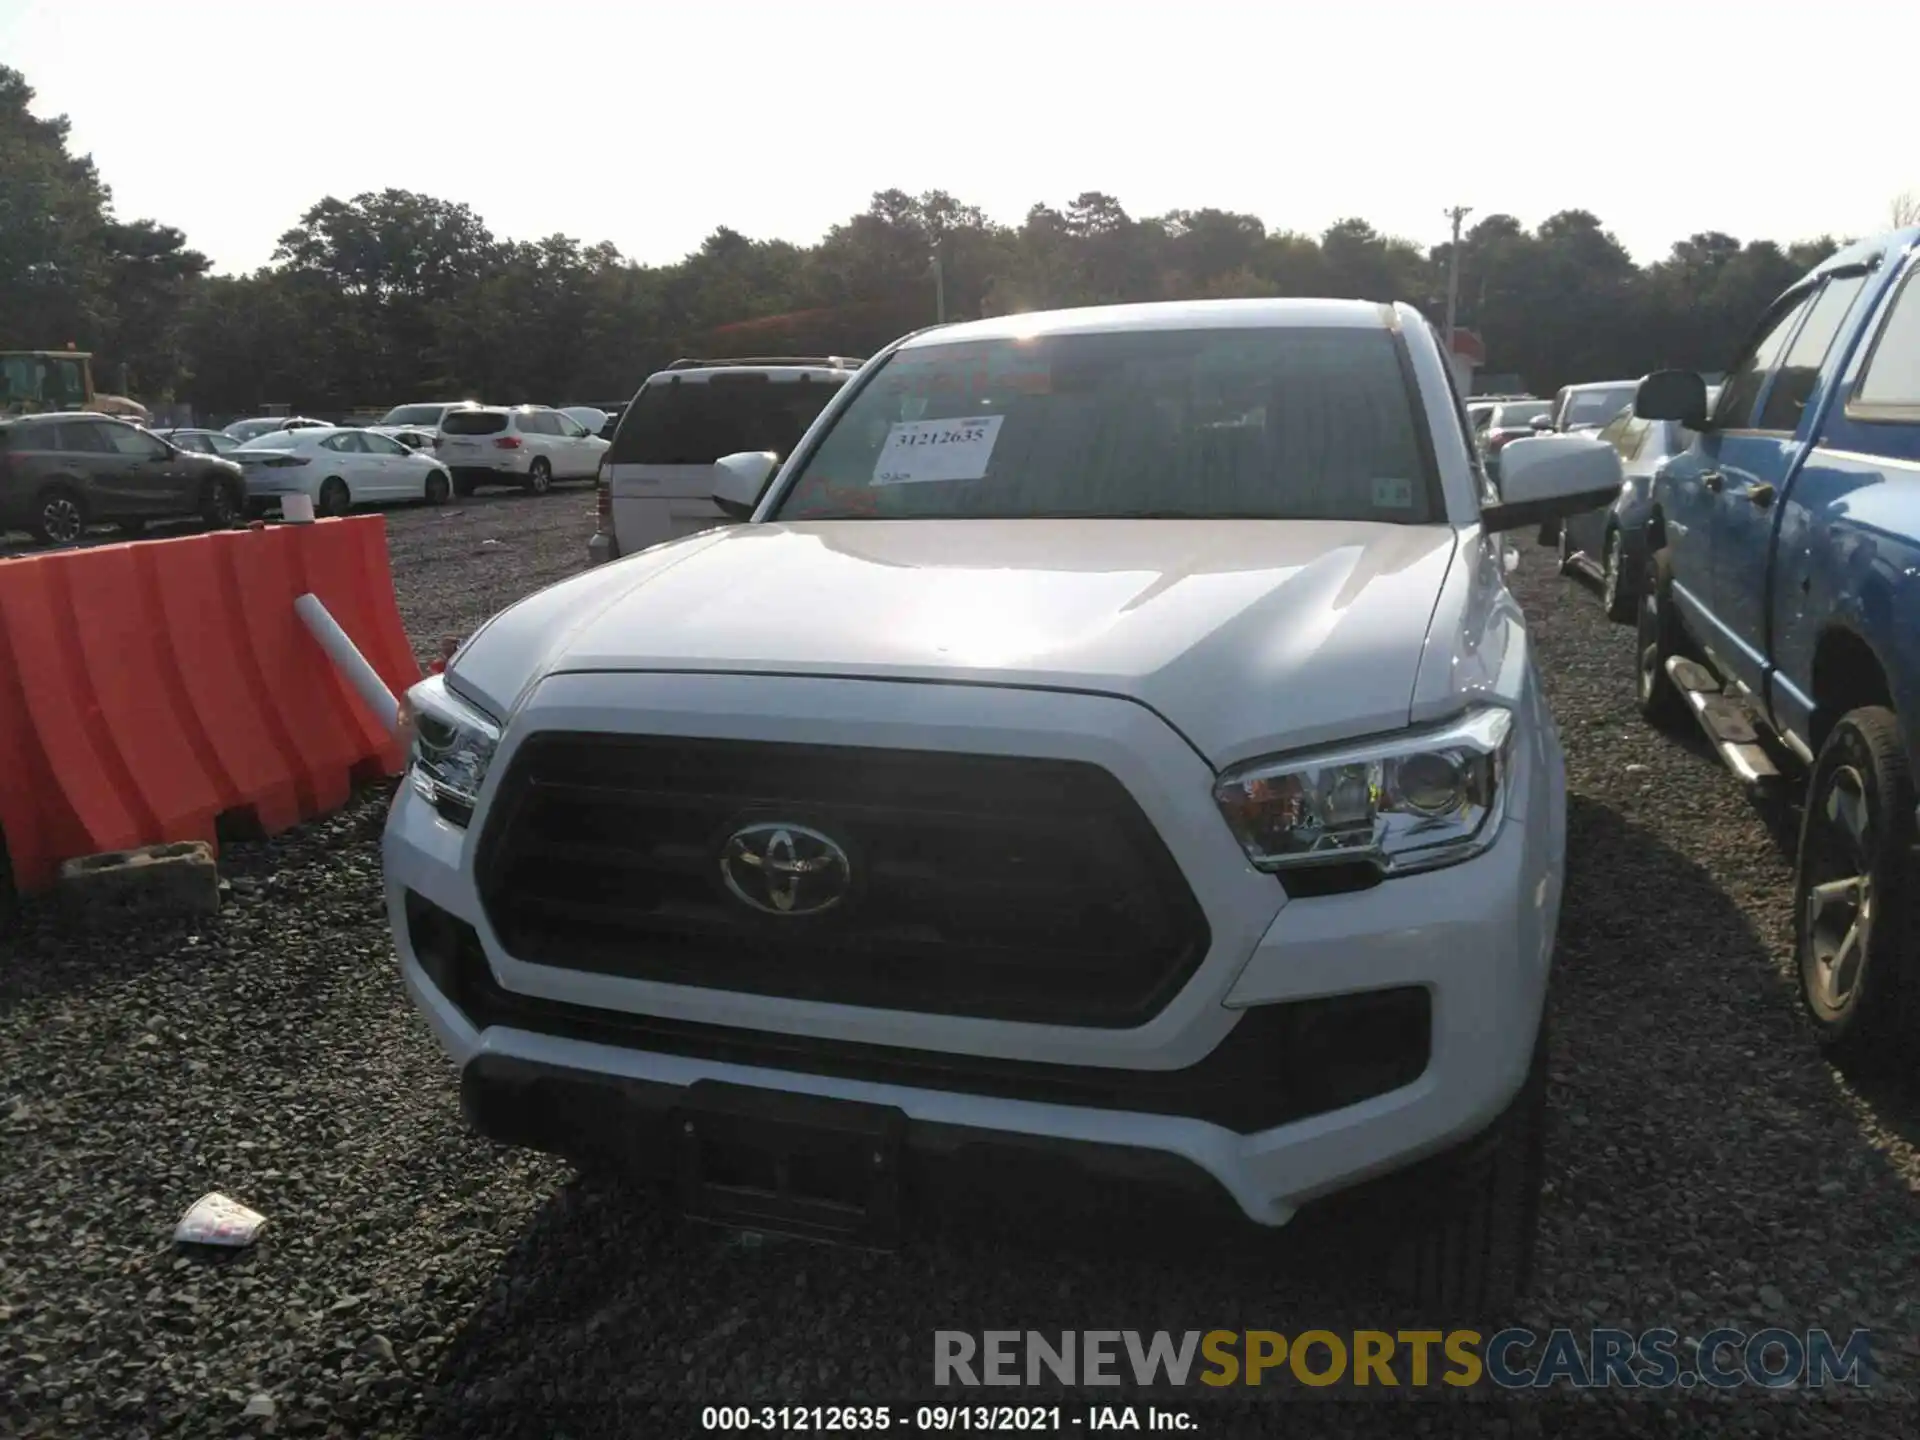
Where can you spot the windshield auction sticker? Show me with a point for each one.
(919, 451)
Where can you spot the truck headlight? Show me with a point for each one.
(1401, 803)
(450, 746)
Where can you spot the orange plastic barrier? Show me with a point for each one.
(146, 689)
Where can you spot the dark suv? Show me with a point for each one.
(62, 473)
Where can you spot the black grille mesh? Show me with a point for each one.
(984, 885)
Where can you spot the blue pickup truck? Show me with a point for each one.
(1781, 609)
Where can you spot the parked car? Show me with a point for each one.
(1511, 420)
(339, 467)
(1582, 407)
(1588, 406)
(658, 481)
(60, 473)
(203, 442)
(1782, 611)
(418, 426)
(1609, 543)
(1481, 407)
(612, 409)
(527, 446)
(1165, 796)
(1474, 401)
(245, 430)
(590, 418)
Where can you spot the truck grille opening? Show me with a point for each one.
(1278, 1063)
(975, 885)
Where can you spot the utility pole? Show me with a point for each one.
(1456, 214)
(939, 290)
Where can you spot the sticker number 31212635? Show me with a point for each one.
(917, 451)
(952, 435)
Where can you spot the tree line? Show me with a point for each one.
(398, 295)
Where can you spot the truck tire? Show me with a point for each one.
(1476, 1261)
(1657, 639)
(1853, 887)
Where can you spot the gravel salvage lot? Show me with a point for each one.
(1706, 1169)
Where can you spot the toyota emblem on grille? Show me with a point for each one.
(785, 869)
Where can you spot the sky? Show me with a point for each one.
(649, 124)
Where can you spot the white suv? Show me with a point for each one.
(418, 426)
(528, 446)
(1109, 753)
(657, 484)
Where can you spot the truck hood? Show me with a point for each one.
(1247, 636)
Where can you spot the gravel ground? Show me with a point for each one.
(1706, 1169)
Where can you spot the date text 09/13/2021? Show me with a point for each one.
(940, 1419)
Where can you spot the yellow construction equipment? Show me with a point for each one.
(34, 381)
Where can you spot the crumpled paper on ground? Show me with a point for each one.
(214, 1219)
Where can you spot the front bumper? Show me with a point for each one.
(971, 1177)
(1475, 938)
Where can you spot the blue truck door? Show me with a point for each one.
(1690, 486)
(1756, 466)
(1849, 541)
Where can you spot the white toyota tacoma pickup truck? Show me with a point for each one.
(1109, 753)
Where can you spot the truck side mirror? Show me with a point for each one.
(739, 480)
(1672, 395)
(1548, 477)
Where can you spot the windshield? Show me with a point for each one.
(1596, 407)
(413, 415)
(41, 382)
(1292, 423)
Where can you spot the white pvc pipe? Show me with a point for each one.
(353, 665)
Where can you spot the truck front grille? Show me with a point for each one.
(976, 885)
(1278, 1063)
